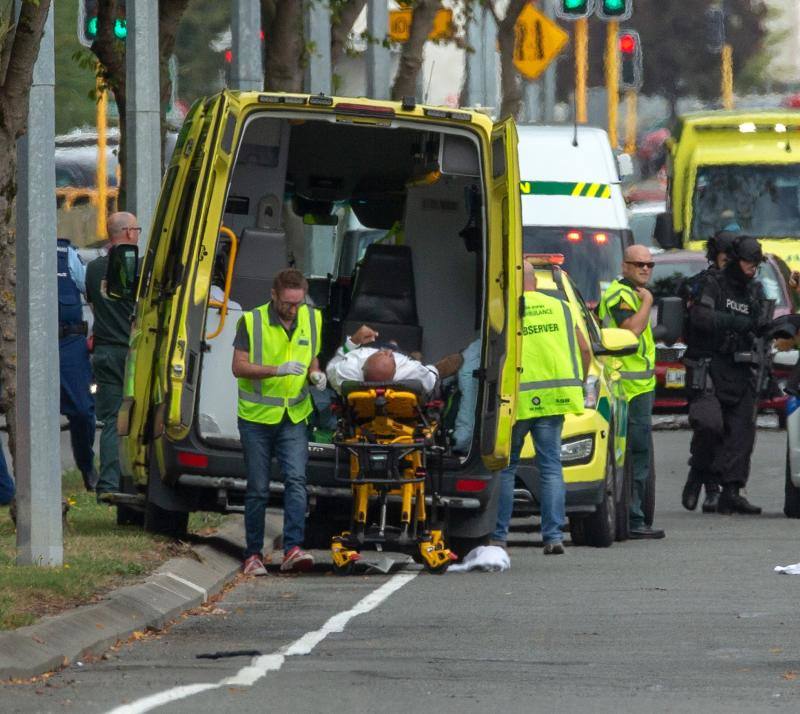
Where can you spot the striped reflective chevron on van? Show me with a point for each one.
(585, 189)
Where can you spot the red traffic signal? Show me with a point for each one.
(627, 43)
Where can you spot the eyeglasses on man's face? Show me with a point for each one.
(641, 264)
(134, 229)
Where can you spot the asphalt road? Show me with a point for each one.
(698, 622)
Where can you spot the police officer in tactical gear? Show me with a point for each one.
(77, 402)
(718, 249)
(723, 323)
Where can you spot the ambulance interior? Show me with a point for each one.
(386, 222)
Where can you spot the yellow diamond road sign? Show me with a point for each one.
(537, 42)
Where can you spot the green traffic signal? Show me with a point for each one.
(120, 28)
(574, 9)
(615, 9)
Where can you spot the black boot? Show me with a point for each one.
(691, 492)
(731, 501)
(711, 501)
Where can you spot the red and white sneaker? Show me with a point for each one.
(296, 560)
(254, 565)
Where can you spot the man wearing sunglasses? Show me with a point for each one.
(626, 304)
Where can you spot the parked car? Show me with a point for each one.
(674, 266)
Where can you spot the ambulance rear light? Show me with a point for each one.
(281, 99)
(544, 258)
(470, 485)
(574, 236)
(192, 460)
(601, 238)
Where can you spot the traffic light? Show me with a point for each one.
(614, 9)
(630, 66)
(87, 21)
(574, 9)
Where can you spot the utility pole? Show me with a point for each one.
(101, 180)
(581, 68)
(475, 88)
(489, 60)
(549, 82)
(612, 81)
(143, 113)
(318, 34)
(247, 70)
(377, 57)
(38, 467)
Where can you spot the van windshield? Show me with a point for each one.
(592, 256)
(762, 200)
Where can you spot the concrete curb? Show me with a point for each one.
(178, 585)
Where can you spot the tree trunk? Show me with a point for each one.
(510, 83)
(16, 71)
(341, 25)
(170, 13)
(8, 285)
(285, 66)
(405, 82)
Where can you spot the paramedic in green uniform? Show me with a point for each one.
(555, 360)
(274, 360)
(626, 303)
(111, 330)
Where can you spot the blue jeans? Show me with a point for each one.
(288, 443)
(640, 420)
(546, 434)
(77, 402)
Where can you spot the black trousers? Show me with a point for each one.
(725, 459)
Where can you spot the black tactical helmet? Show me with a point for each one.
(747, 248)
(720, 242)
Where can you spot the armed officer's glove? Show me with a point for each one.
(319, 380)
(290, 369)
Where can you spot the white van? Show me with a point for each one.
(572, 203)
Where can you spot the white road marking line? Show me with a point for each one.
(264, 664)
(189, 584)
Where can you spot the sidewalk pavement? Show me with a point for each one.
(178, 585)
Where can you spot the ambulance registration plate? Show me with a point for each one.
(676, 378)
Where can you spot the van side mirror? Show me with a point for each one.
(122, 272)
(615, 341)
(664, 234)
(669, 327)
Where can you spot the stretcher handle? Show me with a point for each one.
(223, 306)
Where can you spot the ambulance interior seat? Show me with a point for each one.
(384, 297)
(262, 254)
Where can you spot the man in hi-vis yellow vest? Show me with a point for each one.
(626, 303)
(274, 360)
(555, 360)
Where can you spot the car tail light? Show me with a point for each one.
(574, 236)
(193, 460)
(601, 238)
(470, 485)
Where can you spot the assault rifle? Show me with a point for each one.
(760, 357)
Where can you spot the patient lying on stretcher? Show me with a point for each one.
(359, 361)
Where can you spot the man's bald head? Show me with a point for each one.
(379, 367)
(119, 224)
(633, 265)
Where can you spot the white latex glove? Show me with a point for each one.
(290, 368)
(319, 380)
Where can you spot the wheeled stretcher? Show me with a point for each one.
(388, 434)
